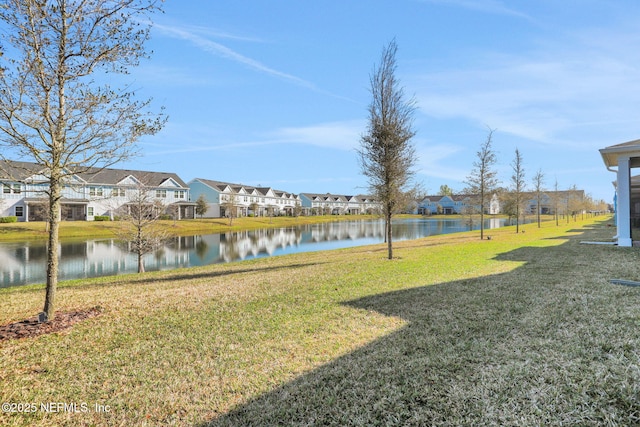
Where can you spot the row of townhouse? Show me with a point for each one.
(246, 200)
(456, 204)
(331, 204)
(551, 202)
(108, 192)
(243, 200)
(97, 192)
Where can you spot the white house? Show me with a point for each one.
(620, 159)
(244, 199)
(335, 204)
(97, 192)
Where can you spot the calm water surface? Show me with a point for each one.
(25, 262)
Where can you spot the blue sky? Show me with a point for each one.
(275, 93)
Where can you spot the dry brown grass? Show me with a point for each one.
(520, 330)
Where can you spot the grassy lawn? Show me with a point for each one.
(523, 329)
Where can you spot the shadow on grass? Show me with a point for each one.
(177, 276)
(548, 343)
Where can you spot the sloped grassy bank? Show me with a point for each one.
(522, 329)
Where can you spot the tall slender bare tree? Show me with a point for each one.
(53, 109)
(538, 188)
(483, 180)
(387, 155)
(517, 186)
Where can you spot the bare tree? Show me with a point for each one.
(387, 156)
(575, 202)
(556, 202)
(517, 186)
(231, 206)
(52, 108)
(482, 180)
(538, 188)
(140, 217)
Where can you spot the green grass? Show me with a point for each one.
(523, 329)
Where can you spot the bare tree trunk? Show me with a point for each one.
(389, 234)
(52, 251)
(482, 212)
(140, 263)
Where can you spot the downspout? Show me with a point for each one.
(615, 203)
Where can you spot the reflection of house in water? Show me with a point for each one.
(342, 231)
(22, 263)
(244, 244)
(26, 263)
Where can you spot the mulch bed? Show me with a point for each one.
(32, 328)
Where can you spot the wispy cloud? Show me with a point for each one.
(440, 161)
(338, 135)
(569, 92)
(485, 6)
(220, 50)
(334, 135)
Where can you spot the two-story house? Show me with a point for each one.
(96, 192)
(244, 200)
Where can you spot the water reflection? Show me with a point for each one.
(24, 263)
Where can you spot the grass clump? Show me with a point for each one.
(523, 329)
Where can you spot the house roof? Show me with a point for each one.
(337, 197)
(237, 188)
(628, 149)
(20, 171)
(454, 197)
(115, 176)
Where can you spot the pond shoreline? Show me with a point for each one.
(92, 229)
(24, 262)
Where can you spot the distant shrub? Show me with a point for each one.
(166, 217)
(102, 218)
(7, 219)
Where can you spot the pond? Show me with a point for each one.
(24, 263)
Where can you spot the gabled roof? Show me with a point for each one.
(328, 197)
(23, 170)
(245, 189)
(18, 171)
(631, 149)
(454, 198)
(115, 176)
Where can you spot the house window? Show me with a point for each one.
(117, 192)
(161, 194)
(19, 210)
(179, 194)
(6, 189)
(90, 211)
(96, 191)
(16, 189)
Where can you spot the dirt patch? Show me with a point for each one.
(31, 327)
